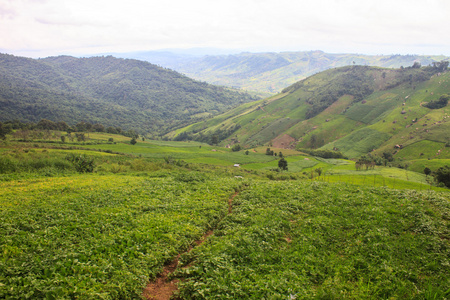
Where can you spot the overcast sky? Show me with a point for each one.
(40, 28)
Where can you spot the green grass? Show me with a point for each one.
(291, 240)
(359, 142)
(104, 235)
(424, 149)
(100, 237)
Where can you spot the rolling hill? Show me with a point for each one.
(115, 92)
(353, 109)
(270, 72)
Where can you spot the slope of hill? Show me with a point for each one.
(128, 93)
(271, 72)
(354, 109)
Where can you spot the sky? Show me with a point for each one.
(41, 28)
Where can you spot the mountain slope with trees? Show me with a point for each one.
(128, 93)
(353, 109)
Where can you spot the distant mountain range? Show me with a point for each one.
(268, 72)
(125, 93)
(352, 109)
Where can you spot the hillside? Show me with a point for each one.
(128, 93)
(353, 109)
(271, 72)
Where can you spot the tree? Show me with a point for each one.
(416, 65)
(4, 130)
(98, 127)
(441, 66)
(436, 104)
(236, 148)
(282, 164)
(442, 175)
(133, 141)
(388, 156)
(427, 171)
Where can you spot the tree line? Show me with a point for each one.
(8, 127)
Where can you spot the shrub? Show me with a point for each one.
(82, 163)
(442, 102)
(236, 148)
(442, 175)
(7, 165)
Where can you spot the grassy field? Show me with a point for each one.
(100, 237)
(291, 234)
(324, 241)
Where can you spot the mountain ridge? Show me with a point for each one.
(270, 72)
(115, 92)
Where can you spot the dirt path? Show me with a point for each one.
(163, 288)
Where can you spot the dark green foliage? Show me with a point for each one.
(441, 66)
(106, 90)
(81, 162)
(283, 164)
(236, 148)
(7, 165)
(4, 130)
(442, 175)
(323, 153)
(427, 171)
(269, 152)
(133, 141)
(442, 102)
(388, 156)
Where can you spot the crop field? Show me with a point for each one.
(100, 237)
(298, 234)
(290, 240)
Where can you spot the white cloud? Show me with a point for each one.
(52, 27)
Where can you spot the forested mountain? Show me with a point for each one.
(271, 72)
(128, 93)
(353, 109)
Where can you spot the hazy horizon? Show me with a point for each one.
(41, 28)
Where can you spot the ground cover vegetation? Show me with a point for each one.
(291, 240)
(99, 220)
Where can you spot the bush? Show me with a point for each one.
(236, 148)
(82, 163)
(7, 165)
(442, 102)
(442, 175)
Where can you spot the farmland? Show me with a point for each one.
(297, 234)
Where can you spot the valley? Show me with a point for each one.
(335, 188)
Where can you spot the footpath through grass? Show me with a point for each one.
(100, 237)
(300, 240)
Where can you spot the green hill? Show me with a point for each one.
(128, 93)
(353, 109)
(270, 72)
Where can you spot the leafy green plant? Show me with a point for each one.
(82, 163)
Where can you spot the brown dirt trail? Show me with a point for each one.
(162, 288)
